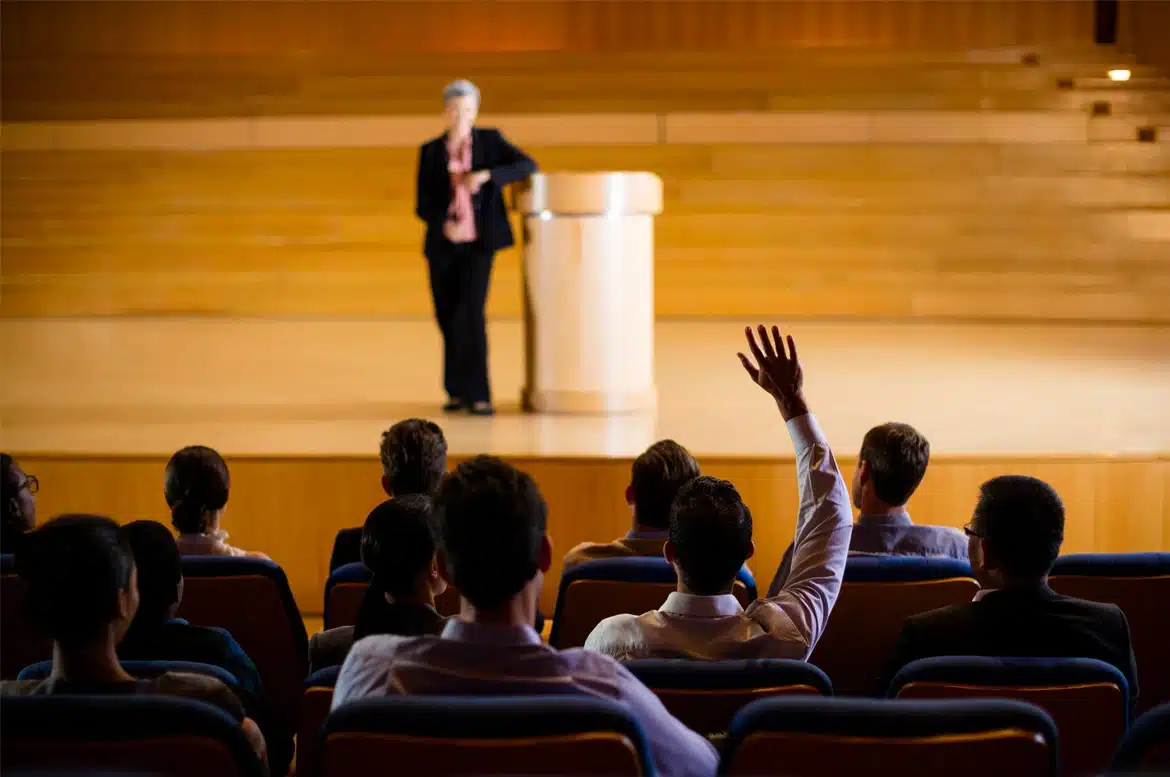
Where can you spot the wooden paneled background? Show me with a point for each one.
(292, 507)
(356, 30)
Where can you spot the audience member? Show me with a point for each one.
(196, 487)
(82, 592)
(156, 634)
(18, 502)
(493, 546)
(397, 546)
(414, 457)
(711, 537)
(890, 466)
(1015, 536)
(655, 478)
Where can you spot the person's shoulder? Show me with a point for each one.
(942, 618)
(186, 684)
(427, 145)
(591, 551)
(384, 647)
(1101, 611)
(19, 687)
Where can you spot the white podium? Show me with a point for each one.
(589, 291)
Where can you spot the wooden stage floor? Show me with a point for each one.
(94, 407)
(295, 387)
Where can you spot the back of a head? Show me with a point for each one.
(490, 521)
(159, 570)
(1021, 521)
(897, 456)
(711, 531)
(196, 485)
(655, 478)
(414, 457)
(397, 543)
(74, 567)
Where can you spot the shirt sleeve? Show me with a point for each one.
(676, 750)
(824, 523)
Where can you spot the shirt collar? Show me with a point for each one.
(647, 535)
(901, 519)
(720, 606)
(516, 636)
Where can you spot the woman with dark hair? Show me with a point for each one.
(18, 504)
(196, 487)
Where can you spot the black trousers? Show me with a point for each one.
(460, 273)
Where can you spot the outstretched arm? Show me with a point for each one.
(799, 611)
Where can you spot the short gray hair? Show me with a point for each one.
(460, 88)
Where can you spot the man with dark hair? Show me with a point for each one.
(156, 634)
(711, 538)
(414, 457)
(655, 478)
(1014, 537)
(82, 591)
(398, 548)
(890, 466)
(493, 544)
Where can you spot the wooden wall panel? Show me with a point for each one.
(1030, 230)
(292, 507)
(1144, 29)
(372, 30)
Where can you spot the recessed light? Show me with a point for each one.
(1119, 74)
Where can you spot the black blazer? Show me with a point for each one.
(489, 151)
(1035, 622)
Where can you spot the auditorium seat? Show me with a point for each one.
(347, 585)
(162, 735)
(20, 643)
(315, 704)
(43, 669)
(1088, 699)
(832, 737)
(251, 599)
(705, 695)
(1146, 748)
(460, 735)
(594, 590)
(878, 595)
(1138, 583)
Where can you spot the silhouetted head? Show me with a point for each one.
(196, 487)
(1016, 531)
(414, 457)
(398, 547)
(710, 535)
(655, 478)
(890, 466)
(160, 574)
(18, 503)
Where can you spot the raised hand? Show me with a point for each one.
(775, 371)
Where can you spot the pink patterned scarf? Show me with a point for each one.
(460, 224)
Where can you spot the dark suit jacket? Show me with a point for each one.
(177, 640)
(1034, 622)
(347, 548)
(489, 151)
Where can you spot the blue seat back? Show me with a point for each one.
(809, 736)
(162, 735)
(879, 593)
(594, 590)
(41, 670)
(462, 735)
(705, 695)
(1088, 699)
(1138, 583)
(251, 599)
(1146, 748)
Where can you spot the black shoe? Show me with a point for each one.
(454, 406)
(482, 408)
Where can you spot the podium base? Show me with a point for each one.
(588, 402)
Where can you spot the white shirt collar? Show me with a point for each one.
(720, 606)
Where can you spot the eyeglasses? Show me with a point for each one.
(31, 483)
(969, 530)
